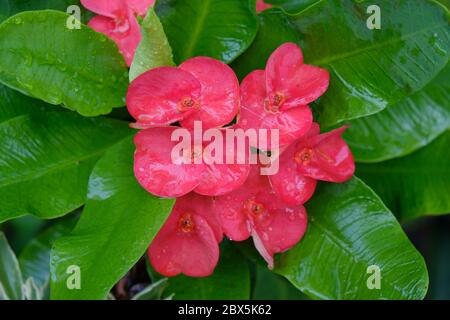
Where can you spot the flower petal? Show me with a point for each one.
(297, 83)
(155, 169)
(193, 251)
(154, 97)
(227, 166)
(140, 7)
(219, 100)
(331, 158)
(229, 207)
(261, 5)
(127, 36)
(107, 8)
(279, 228)
(290, 186)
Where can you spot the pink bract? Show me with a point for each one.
(255, 210)
(201, 89)
(173, 175)
(188, 241)
(278, 97)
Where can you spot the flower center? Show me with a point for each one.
(304, 156)
(185, 223)
(256, 209)
(274, 103)
(187, 104)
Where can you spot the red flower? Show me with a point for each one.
(189, 240)
(201, 89)
(261, 5)
(314, 157)
(254, 210)
(117, 20)
(277, 98)
(165, 171)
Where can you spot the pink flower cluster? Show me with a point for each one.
(232, 199)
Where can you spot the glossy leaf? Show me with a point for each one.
(46, 159)
(221, 29)
(10, 275)
(294, 6)
(372, 69)
(230, 280)
(118, 223)
(81, 69)
(349, 230)
(34, 259)
(415, 185)
(404, 127)
(274, 30)
(271, 286)
(154, 49)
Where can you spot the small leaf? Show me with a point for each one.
(405, 127)
(79, 68)
(230, 280)
(46, 159)
(118, 223)
(10, 275)
(221, 29)
(351, 231)
(154, 49)
(415, 185)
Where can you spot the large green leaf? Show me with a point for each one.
(414, 185)
(79, 68)
(349, 230)
(220, 29)
(117, 225)
(274, 30)
(154, 49)
(404, 127)
(10, 275)
(230, 280)
(34, 259)
(13, 104)
(371, 69)
(46, 159)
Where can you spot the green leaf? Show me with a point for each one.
(372, 69)
(153, 292)
(274, 29)
(154, 49)
(10, 275)
(404, 127)
(271, 286)
(349, 230)
(31, 291)
(414, 185)
(46, 159)
(34, 259)
(79, 68)
(13, 104)
(294, 6)
(221, 29)
(118, 223)
(230, 280)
